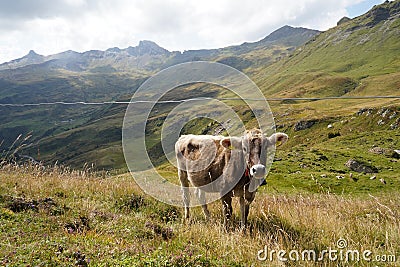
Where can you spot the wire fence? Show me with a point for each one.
(195, 99)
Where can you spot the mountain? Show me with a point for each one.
(142, 56)
(147, 56)
(94, 76)
(31, 58)
(286, 35)
(356, 58)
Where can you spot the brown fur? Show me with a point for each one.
(203, 159)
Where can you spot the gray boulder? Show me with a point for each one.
(302, 125)
(360, 167)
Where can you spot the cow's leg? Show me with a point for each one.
(185, 191)
(201, 195)
(227, 208)
(245, 202)
(244, 211)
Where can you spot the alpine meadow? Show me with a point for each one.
(67, 197)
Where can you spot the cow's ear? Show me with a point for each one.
(232, 142)
(226, 142)
(278, 138)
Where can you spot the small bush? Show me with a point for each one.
(333, 135)
(131, 203)
(77, 226)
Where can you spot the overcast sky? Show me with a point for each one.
(53, 26)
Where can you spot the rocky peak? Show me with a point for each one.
(343, 20)
(147, 48)
(32, 54)
(287, 31)
(32, 57)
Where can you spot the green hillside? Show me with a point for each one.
(336, 179)
(356, 58)
(79, 134)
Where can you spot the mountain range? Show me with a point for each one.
(358, 57)
(148, 56)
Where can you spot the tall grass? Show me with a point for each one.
(104, 220)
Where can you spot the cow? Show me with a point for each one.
(230, 166)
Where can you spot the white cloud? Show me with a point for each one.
(174, 24)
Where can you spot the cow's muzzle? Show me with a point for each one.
(258, 171)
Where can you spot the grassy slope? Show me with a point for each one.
(103, 218)
(62, 218)
(356, 58)
(353, 59)
(50, 125)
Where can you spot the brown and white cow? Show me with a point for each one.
(231, 166)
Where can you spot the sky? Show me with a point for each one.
(54, 26)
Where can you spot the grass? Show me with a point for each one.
(59, 217)
(55, 216)
(356, 58)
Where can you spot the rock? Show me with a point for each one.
(373, 177)
(396, 154)
(339, 177)
(302, 125)
(395, 125)
(343, 20)
(378, 14)
(360, 167)
(378, 150)
(303, 166)
(385, 113)
(366, 111)
(381, 122)
(361, 111)
(330, 126)
(382, 181)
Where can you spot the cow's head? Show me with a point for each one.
(254, 145)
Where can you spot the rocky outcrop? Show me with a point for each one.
(378, 150)
(360, 167)
(302, 125)
(383, 12)
(395, 125)
(343, 20)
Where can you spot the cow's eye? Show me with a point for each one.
(245, 149)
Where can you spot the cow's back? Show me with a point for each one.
(201, 156)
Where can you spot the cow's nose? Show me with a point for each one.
(257, 171)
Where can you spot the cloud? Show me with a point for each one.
(27, 9)
(54, 26)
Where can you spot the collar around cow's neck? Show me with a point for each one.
(247, 172)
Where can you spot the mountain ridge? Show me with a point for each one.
(147, 48)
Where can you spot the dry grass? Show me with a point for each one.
(138, 231)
